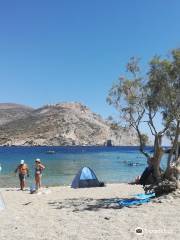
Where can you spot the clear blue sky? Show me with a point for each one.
(72, 50)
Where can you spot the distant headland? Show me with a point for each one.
(61, 124)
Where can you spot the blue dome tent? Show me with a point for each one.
(86, 178)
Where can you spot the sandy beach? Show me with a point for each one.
(93, 213)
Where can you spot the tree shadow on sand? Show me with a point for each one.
(88, 204)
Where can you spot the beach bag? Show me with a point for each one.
(32, 189)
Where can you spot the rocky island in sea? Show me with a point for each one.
(59, 124)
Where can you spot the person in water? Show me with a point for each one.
(39, 167)
(23, 171)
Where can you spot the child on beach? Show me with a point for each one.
(23, 171)
(38, 172)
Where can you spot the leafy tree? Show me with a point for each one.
(127, 96)
(140, 99)
(164, 84)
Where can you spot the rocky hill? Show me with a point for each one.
(11, 111)
(60, 124)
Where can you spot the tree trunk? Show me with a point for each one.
(177, 152)
(141, 147)
(157, 157)
(173, 149)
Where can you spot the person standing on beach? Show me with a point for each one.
(38, 172)
(23, 171)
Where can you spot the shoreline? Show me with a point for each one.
(87, 213)
(74, 146)
(29, 182)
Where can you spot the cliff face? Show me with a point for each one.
(60, 124)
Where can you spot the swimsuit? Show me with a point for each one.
(38, 170)
(22, 172)
(22, 176)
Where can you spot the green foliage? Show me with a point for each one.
(139, 99)
(127, 95)
(164, 85)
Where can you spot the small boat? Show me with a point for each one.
(0, 168)
(51, 152)
(135, 164)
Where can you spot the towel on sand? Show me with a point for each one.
(144, 196)
(137, 200)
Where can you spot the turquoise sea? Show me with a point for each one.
(111, 164)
